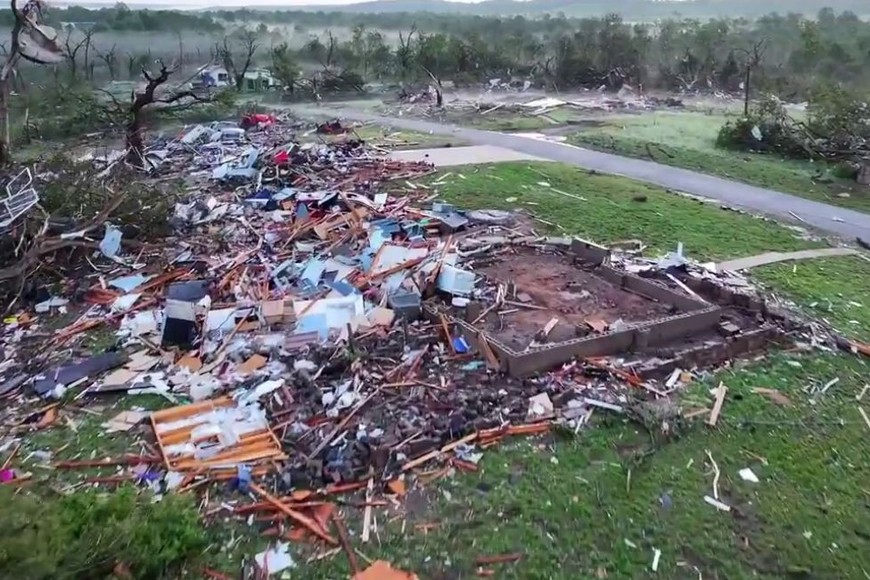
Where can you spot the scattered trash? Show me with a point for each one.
(717, 504)
(276, 559)
(746, 474)
(381, 570)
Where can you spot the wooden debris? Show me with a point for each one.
(191, 363)
(433, 454)
(497, 559)
(775, 396)
(716, 475)
(381, 570)
(345, 545)
(255, 363)
(492, 361)
(367, 515)
(864, 416)
(717, 504)
(255, 448)
(298, 517)
(721, 391)
(397, 486)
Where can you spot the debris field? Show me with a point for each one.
(321, 323)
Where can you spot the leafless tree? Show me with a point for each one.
(30, 42)
(405, 51)
(110, 58)
(752, 59)
(248, 48)
(143, 99)
(89, 65)
(439, 93)
(331, 48)
(18, 83)
(71, 49)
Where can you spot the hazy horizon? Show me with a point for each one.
(230, 3)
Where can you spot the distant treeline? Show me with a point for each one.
(543, 16)
(789, 55)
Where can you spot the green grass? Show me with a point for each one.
(388, 137)
(572, 506)
(835, 290)
(688, 140)
(610, 212)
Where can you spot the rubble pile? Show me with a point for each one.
(303, 325)
(490, 106)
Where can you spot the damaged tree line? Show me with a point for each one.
(552, 52)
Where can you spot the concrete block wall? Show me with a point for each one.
(590, 252)
(668, 329)
(712, 355)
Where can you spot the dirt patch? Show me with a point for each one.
(559, 289)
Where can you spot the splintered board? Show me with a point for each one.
(255, 448)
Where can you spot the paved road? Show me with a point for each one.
(828, 218)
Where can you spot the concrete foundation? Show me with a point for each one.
(696, 317)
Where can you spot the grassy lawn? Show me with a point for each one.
(598, 505)
(835, 290)
(509, 121)
(688, 140)
(610, 212)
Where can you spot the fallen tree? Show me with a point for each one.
(836, 129)
(77, 200)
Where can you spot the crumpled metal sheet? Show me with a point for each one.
(38, 43)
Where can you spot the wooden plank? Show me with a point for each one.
(296, 516)
(721, 391)
(176, 413)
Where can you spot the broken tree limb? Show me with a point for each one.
(302, 519)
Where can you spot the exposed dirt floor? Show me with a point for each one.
(553, 287)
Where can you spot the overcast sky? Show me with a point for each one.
(209, 3)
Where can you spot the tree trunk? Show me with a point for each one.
(134, 141)
(5, 150)
(746, 91)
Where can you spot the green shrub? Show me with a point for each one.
(83, 536)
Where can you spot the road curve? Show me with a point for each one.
(832, 219)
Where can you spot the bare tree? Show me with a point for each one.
(224, 52)
(405, 51)
(141, 100)
(331, 49)
(439, 94)
(18, 83)
(89, 65)
(752, 59)
(32, 42)
(71, 49)
(110, 58)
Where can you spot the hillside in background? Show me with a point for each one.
(630, 9)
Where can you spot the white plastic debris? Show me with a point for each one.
(276, 559)
(657, 555)
(540, 406)
(746, 474)
(111, 242)
(304, 365)
(46, 306)
(717, 504)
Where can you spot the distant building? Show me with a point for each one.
(215, 76)
(260, 79)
